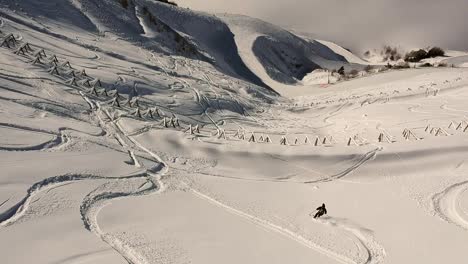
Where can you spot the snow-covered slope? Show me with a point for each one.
(118, 146)
(240, 46)
(276, 55)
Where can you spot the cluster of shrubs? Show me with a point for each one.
(389, 53)
(418, 55)
(124, 3)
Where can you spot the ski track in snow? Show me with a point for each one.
(374, 251)
(446, 205)
(58, 141)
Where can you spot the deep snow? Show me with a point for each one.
(168, 147)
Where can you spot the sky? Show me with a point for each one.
(360, 24)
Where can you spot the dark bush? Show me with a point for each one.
(124, 3)
(390, 53)
(341, 71)
(435, 52)
(416, 55)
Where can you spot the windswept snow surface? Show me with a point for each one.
(118, 146)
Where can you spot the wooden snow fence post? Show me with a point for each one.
(317, 141)
(9, 39)
(384, 138)
(129, 102)
(306, 141)
(267, 139)
(5, 43)
(296, 141)
(190, 129)
(27, 46)
(352, 141)
(242, 135)
(283, 141)
(405, 134)
(441, 132)
(104, 91)
(41, 53)
(66, 64)
(460, 126)
(54, 70)
(37, 60)
(94, 91)
(252, 138)
(149, 113)
(136, 102)
(138, 113)
(19, 51)
(451, 125)
(237, 133)
(261, 139)
(172, 122)
(410, 134)
(165, 122)
(427, 128)
(115, 102)
(54, 59)
(222, 134)
(72, 81)
(83, 73)
(466, 128)
(87, 83)
(381, 137)
(155, 112)
(97, 82)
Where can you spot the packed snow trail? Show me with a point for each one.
(447, 205)
(59, 139)
(17, 211)
(375, 252)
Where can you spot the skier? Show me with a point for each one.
(320, 211)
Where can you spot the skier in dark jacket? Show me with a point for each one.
(320, 211)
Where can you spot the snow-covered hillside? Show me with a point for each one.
(151, 134)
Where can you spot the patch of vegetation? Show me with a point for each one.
(418, 55)
(341, 71)
(435, 52)
(390, 53)
(124, 3)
